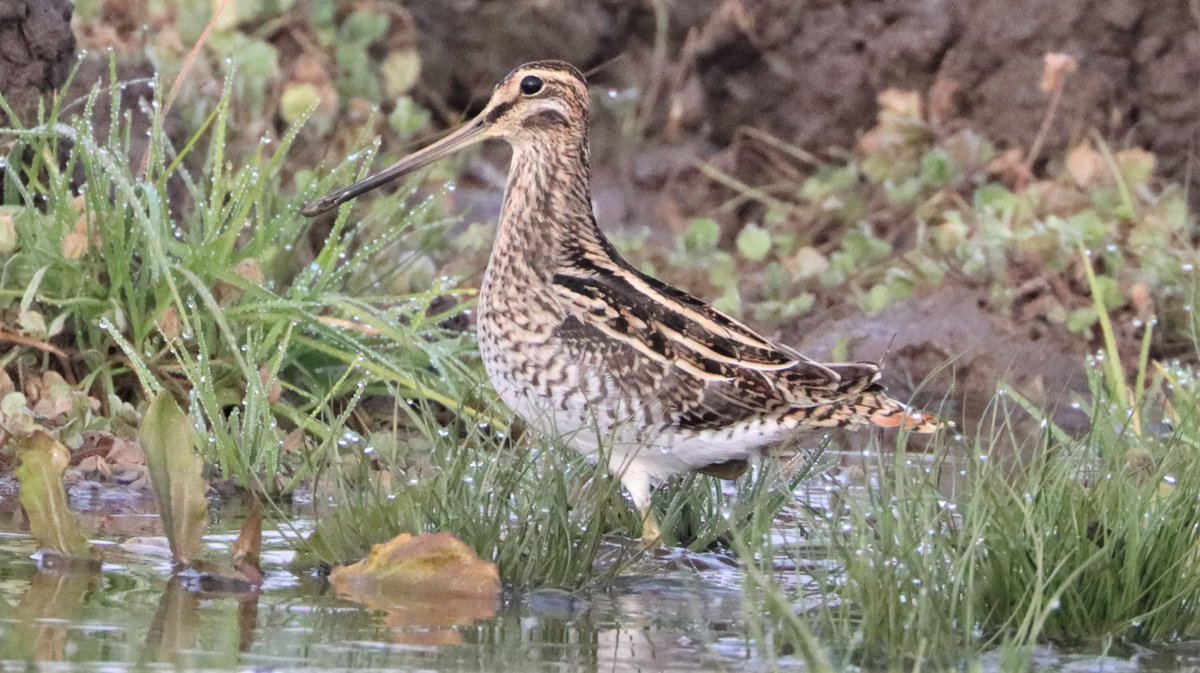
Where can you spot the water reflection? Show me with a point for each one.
(135, 614)
(175, 628)
(53, 600)
(668, 618)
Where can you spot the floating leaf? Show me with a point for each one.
(427, 581)
(439, 564)
(169, 442)
(43, 461)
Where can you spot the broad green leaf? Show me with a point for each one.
(754, 243)
(401, 70)
(169, 442)
(43, 461)
(297, 100)
(702, 236)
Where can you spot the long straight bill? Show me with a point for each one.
(464, 136)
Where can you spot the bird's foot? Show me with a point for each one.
(651, 535)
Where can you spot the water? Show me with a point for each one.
(678, 613)
(133, 613)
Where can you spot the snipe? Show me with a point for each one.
(582, 345)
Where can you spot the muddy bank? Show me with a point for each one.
(810, 72)
(37, 50)
(949, 349)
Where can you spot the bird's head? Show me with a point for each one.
(544, 102)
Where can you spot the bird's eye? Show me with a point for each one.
(531, 85)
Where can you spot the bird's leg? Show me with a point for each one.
(651, 535)
(639, 484)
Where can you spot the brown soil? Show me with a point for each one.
(37, 50)
(949, 350)
(809, 74)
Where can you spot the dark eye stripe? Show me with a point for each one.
(498, 111)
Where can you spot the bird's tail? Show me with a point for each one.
(881, 410)
(869, 407)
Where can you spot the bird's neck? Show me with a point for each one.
(547, 214)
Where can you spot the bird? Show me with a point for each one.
(621, 366)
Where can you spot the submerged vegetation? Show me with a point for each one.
(329, 357)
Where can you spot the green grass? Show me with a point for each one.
(1008, 540)
(191, 276)
(310, 360)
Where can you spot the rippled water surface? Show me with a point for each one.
(667, 617)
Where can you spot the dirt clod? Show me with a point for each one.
(37, 49)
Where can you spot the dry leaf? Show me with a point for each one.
(248, 547)
(427, 582)
(424, 582)
(438, 564)
(97, 465)
(6, 384)
(75, 245)
(900, 102)
(8, 233)
(1085, 165)
(944, 98)
(126, 452)
(228, 294)
(168, 324)
(1056, 66)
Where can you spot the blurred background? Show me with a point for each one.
(905, 179)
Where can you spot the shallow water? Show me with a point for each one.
(133, 614)
(669, 616)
